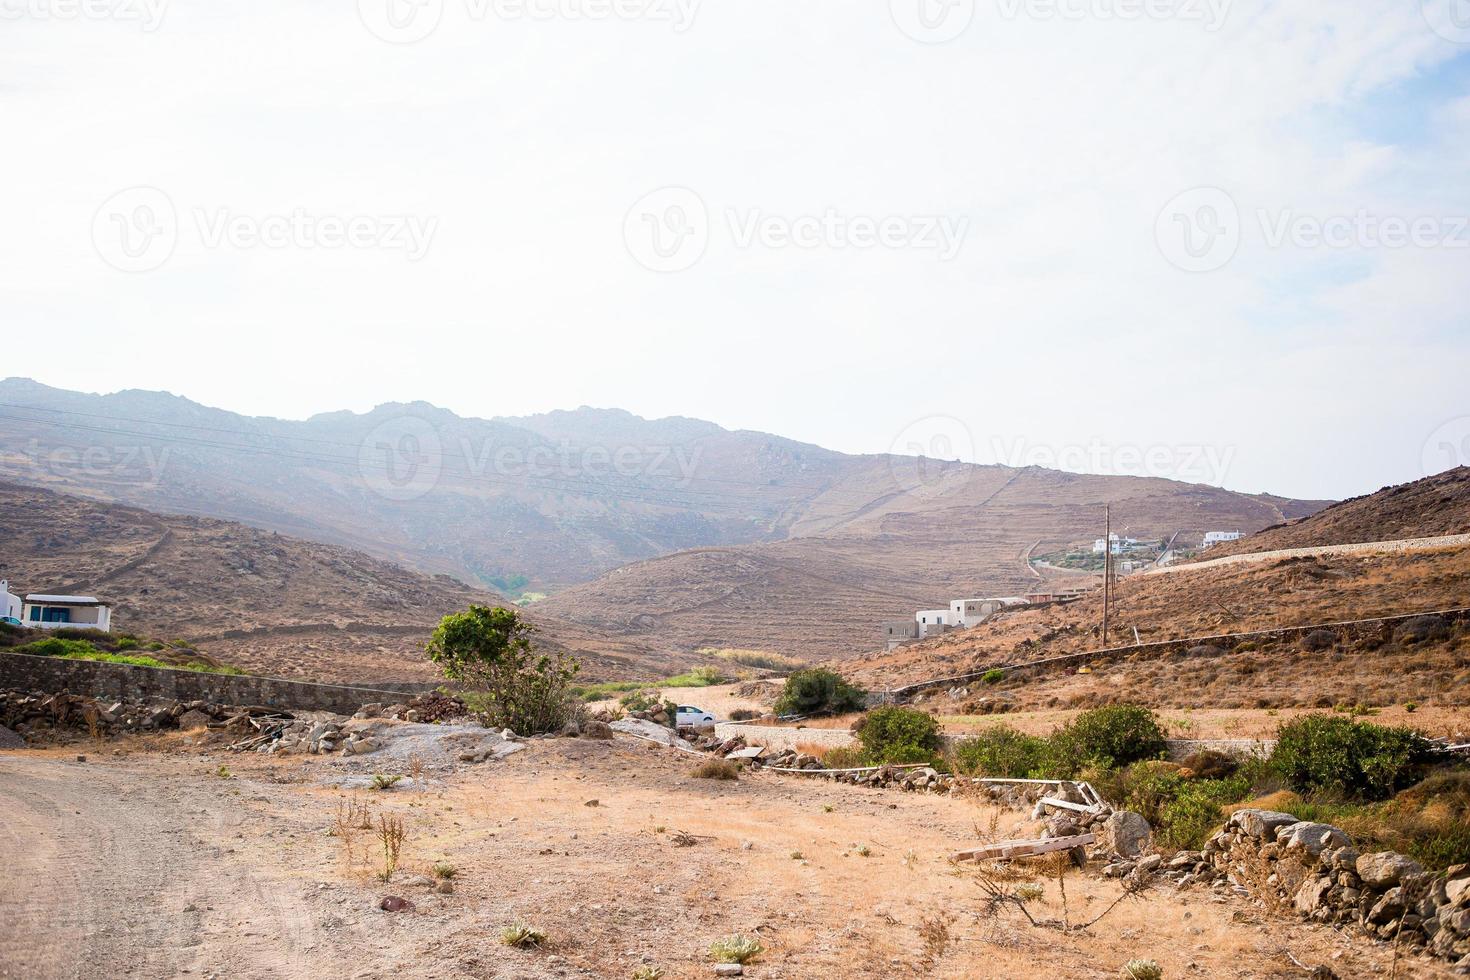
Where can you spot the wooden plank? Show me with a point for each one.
(1006, 850)
(1067, 805)
(749, 752)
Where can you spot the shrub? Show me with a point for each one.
(444, 870)
(1326, 753)
(1422, 629)
(743, 714)
(717, 769)
(993, 676)
(490, 650)
(735, 949)
(640, 700)
(844, 757)
(56, 646)
(382, 781)
(1000, 752)
(760, 659)
(898, 735)
(1108, 738)
(127, 643)
(522, 936)
(1318, 640)
(819, 691)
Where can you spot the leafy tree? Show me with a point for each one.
(1106, 738)
(490, 650)
(819, 691)
(898, 735)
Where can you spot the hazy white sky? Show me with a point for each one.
(1220, 241)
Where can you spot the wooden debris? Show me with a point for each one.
(1006, 850)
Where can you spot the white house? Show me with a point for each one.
(932, 622)
(9, 604)
(1120, 545)
(973, 612)
(1215, 537)
(49, 612)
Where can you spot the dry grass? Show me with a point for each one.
(722, 769)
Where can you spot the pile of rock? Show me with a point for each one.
(430, 707)
(36, 714)
(302, 737)
(1314, 868)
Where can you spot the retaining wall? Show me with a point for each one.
(785, 737)
(122, 682)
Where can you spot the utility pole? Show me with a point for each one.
(1107, 568)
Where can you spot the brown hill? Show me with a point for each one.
(548, 501)
(967, 531)
(256, 599)
(1434, 506)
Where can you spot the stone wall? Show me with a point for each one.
(785, 737)
(124, 682)
(1314, 870)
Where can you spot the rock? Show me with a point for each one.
(10, 740)
(1388, 908)
(1312, 895)
(1126, 834)
(393, 903)
(729, 970)
(369, 711)
(1261, 824)
(1061, 825)
(192, 720)
(445, 887)
(1386, 868)
(1312, 838)
(1456, 886)
(600, 730)
(1151, 863)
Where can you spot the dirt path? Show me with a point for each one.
(115, 874)
(154, 863)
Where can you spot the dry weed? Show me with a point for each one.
(391, 835)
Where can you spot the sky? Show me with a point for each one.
(1217, 241)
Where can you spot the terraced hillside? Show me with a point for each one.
(259, 600)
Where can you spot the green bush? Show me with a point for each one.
(56, 646)
(819, 691)
(1354, 759)
(1000, 752)
(1106, 738)
(993, 676)
(898, 735)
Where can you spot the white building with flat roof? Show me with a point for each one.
(1216, 537)
(50, 612)
(10, 604)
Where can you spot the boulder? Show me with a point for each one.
(1312, 895)
(1386, 868)
(1261, 824)
(1126, 834)
(1312, 838)
(192, 720)
(1388, 908)
(597, 729)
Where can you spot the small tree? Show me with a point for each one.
(1325, 753)
(819, 691)
(898, 736)
(490, 650)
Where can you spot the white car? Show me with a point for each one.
(691, 717)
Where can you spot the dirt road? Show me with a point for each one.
(155, 862)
